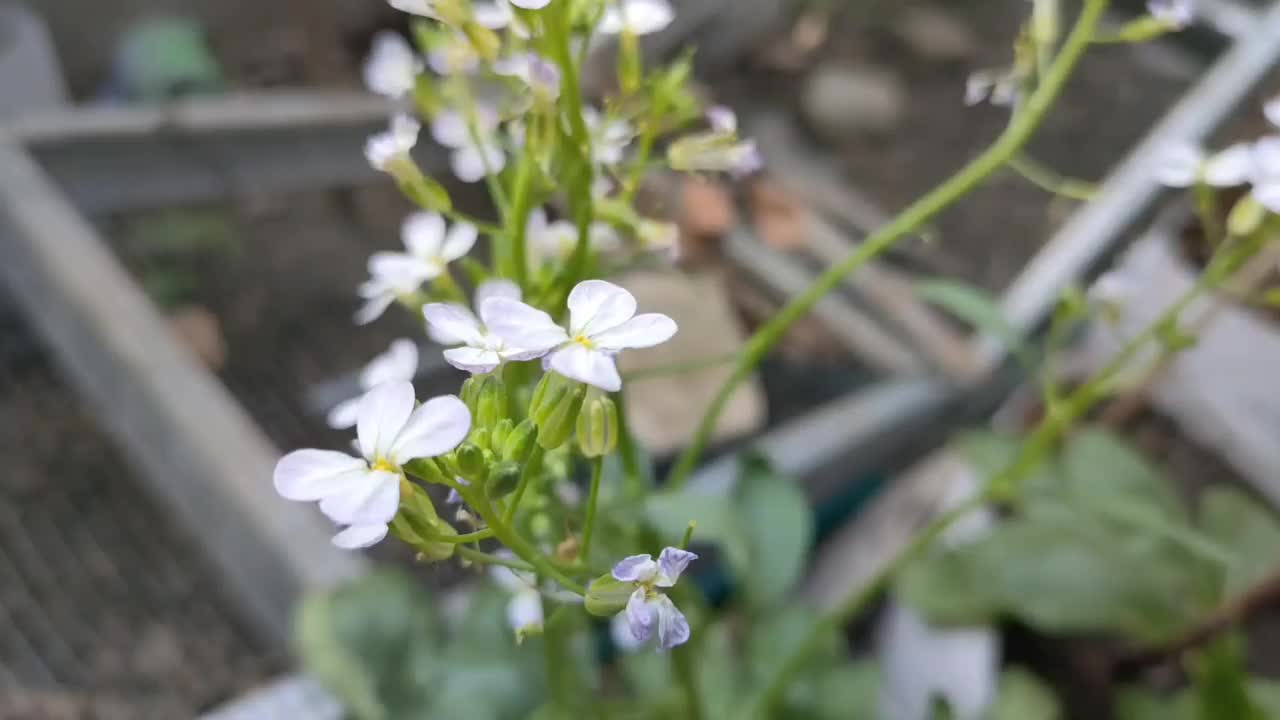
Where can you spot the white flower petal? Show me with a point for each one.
(671, 564)
(400, 271)
(360, 536)
(468, 165)
(449, 128)
(642, 17)
(1230, 167)
(722, 119)
(597, 305)
(673, 627)
(641, 331)
(1266, 158)
(399, 362)
(1272, 110)
(423, 234)
(509, 580)
(531, 4)
(524, 611)
(640, 616)
(450, 324)
(344, 415)
(374, 499)
(384, 411)
(435, 428)
(308, 475)
(620, 633)
(493, 15)
(1268, 195)
(635, 568)
(496, 288)
(476, 361)
(592, 367)
(424, 8)
(373, 308)
(392, 66)
(459, 241)
(521, 326)
(1179, 165)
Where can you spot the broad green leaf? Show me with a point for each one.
(1221, 685)
(975, 307)
(1249, 529)
(375, 645)
(847, 691)
(720, 682)
(1023, 696)
(947, 587)
(1099, 466)
(780, 533)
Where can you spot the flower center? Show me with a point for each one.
(584, 341)
(384, 465)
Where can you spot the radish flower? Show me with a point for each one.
(1177, 14)
(639, 17)
(648, 609)
(429, 251)
(363, 493)
(602, 323)
(481, 351)
(385, 149)
(475, 154)
(398, 364)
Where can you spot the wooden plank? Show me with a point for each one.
(194, 446)
(113, 158)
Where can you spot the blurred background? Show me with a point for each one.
(185, 214)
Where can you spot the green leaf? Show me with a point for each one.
(1101, 466)
(978, 308)
(847, 691)
(375, 645)
(781, 531)
(1023, 696)
(1143, 704)
(1221, 685)
(1249, 529)
(720, 682)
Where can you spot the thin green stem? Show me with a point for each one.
(1049, 180)
(917, 214)
(679, 368)
(593, 501)
(483, 226)
(464, 538)
(484, 558)
(531, 467)
(518, 218)
(686, 672)
(517, 544)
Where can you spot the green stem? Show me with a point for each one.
(517, 544)
(1014, 137)
(483, 226)
(531, 467)
(518, 218)
(558, 24)
(464, 538)
(1051, 181)
(593, 500)
(483, 558)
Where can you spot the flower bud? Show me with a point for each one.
(555, 408)
(519, 442)
(607, 596)
(598, 426)
(417, 523)
(486, 397)
(503, 479)
(471, 463)
(427, 470)
(1246, 217)
(481, 437)
(498, 434)
(425, 192)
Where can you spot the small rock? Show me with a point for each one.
(843, 99)
(200, 330)
(780, 218)
(936, 34)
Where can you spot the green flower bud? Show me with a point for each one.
(503, 479)
(519, 442)
(1246, 217)
(427, 470)
(491, 402)
(598, 426)
(555, 409)
(425, 192)
(417, 524)
(481, 437)
(498, 434)
(471, 463)
(607, 596)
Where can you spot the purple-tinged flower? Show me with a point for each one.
(363, 493)
(454, 55)
(722, 119)
(1177, 14)
(476, 151)
(454, 497)
(648, 609)
(481, 350)
(398, 363)
(602, 323)
(609, 137)
(539, 74)
(557, 240)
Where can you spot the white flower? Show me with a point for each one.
(641, 17)
(392, 66)
(541, 75)
(524, 609)
(482, 351)
(474, 156)
(430, 249)
(1000, 86)
(423, 8)
(1177, 14)
(722, 119)
(552, 240)
(602, 323)
(609, 138)
(1184, 165)
(453, 55)
(384, 148)
(1266, 179)
(363, 493)
(398, 363)
(647, 607)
